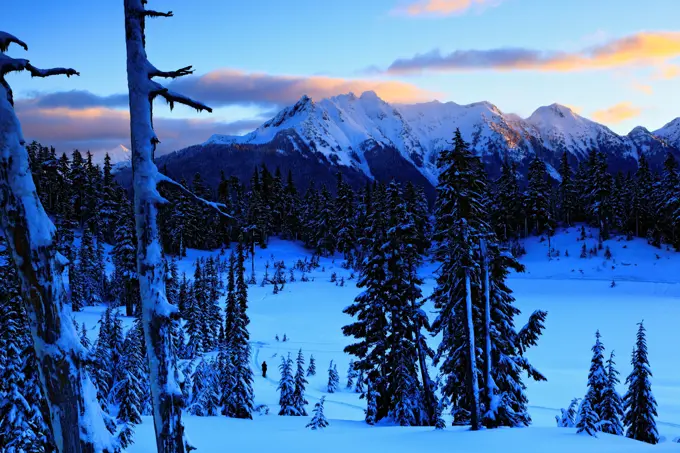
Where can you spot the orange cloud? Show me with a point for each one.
(574, 108)
(669, 71)
(230, 86)
(641, 49)
(617, 113)
(101, 129)
(442, 7)
(643, 88)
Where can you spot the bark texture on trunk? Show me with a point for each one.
(74, 416)
(157, 313)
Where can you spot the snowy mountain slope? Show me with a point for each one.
(670, 132)
(345, 127)
(560, 129)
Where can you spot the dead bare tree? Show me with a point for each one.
(157, 313)
(75, 419)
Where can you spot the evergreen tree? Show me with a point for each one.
(643, 199)
(344, 229)
(597, 378)
(638, 402)
(109, 203)
(351, 374)
(460, 218)
(319, 419)
(300, 382)
(287, 388)
(311, 370)
(612, 404)
(22, 427)
(537, 199)
(239, 343)
(587, 419)
(371, 404)
(474, 302)
(333, 378)
(126, 285)
(668, 201)
(325, 240)
(567, 191)
(130, 396)
(507, 208)
(568, 417)
(598, 193)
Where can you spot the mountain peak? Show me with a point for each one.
(370, 95)
(552, 111)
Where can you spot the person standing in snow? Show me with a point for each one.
(264, 369)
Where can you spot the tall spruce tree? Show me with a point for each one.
(460, 220)
(639, 404)
(612, 404)
(537, 199)
(287, 388)
(239, 343)
(300, 383)
(566, 191)
(22, 426)
(597, 378)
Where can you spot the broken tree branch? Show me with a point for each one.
(185, 71)
(162, 179)
(171, 98)
(6, 39)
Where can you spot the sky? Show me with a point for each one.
(613, 61)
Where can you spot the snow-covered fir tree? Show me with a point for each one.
(537, 197)
(597, 378)
(461, 222)
(22, 427)
(333, 378)
(568, 416)
(611, 409)
(588, 421)
(639, 403)
(287, 388)
(351, 375)
(238, 343)
(319, 420)
(460, 213)
(125, 283)
(129, 390)
(300, 384)
(311, 369)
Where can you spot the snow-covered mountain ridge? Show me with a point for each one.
(345, 128)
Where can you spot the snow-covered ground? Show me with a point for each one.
(576, 292)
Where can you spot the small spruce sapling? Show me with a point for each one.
(319, 420)
(587, 419)
(333, 378)
(568, 417)
(311, 370)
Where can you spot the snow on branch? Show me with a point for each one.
(6, 39)
(162, 179)
(187, 70)
(172, 97)
(528, 335)
(36, 72)
(152, 13)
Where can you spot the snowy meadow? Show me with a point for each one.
(576, 292)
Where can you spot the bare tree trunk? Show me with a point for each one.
(157, 312)
(74, 416)
(430, 406)
(488, 381)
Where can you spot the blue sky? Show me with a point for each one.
(251, 47)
